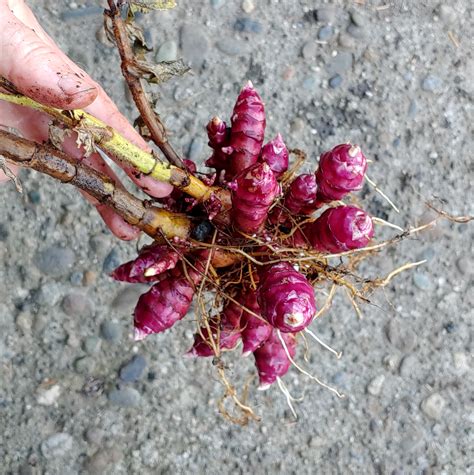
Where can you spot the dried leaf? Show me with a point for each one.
(146, 6)
(86, 137)
(57, 135)
(9, 174)
(136, 34)
(161, 72)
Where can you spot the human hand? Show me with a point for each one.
(39, 69)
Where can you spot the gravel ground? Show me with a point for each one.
(393, 76)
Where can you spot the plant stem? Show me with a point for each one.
(126, 152)
(149, 116)
(154, 221)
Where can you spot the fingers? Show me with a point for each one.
(38, 69)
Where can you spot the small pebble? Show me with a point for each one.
(375, 386)
(325, 32)
(99, 244)
(335, 81)
(231, 46)
(103, 461)
(465, 265)
(92, 345)
(346, 41)
(95, 435)
(111, 331)
(168, 51)
(216, 4)
(133, 370)
(412, 109)
(401, 336)
(422, 281)
(89, 278)
(358, 18)
(126, 298)
(248, 6)
(77, 305)
(150, 454)
(408, 366)
(340, 63)
(194, 45)
(34, 197)
(297, 125)
(356, 32)
(55, 261)
(23, 321)
(448, 14)
(431, 83)
(433, 406)
(195, 149)
(112, 261)
(326, 14)
(309, 51)
(57, 445)
(125, 397)
(76, 278)
(85, 365)
(247, 25)
(309, 83)
(461, 363)
(47, 395)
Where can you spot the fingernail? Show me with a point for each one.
(72, 85)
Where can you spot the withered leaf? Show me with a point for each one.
(146, 6)
(160, 72)
(136, 34)
(57, 135)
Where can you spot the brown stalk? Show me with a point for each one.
(155, 222)
(128, 64)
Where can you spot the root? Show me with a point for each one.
(303, 371)
(289, 398)
(337, 354)
(381, 193)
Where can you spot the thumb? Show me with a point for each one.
(38, 69)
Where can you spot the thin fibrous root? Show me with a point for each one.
(381, 193)
(289, 398)
(337, 354)
(384, 282)
(382, 222)
(303, 371)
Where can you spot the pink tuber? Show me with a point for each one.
(341, 170)
(227, 329)
(301, 195)
(255, 331)
(247, 131)
(253, 192)
(285, 297)
(152, 261)
(339, 229)
(276, 155)
(271, 359)
(165, 303)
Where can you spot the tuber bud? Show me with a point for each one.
(285, 297)
(247, 131)
(275, 154)
(218, 134)
(340, 229)
(151, 262)
(254, 330)
(226, 332)
(341, 170)
(165, 303)
(301, 195)
(253, 192)
(271, 359)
